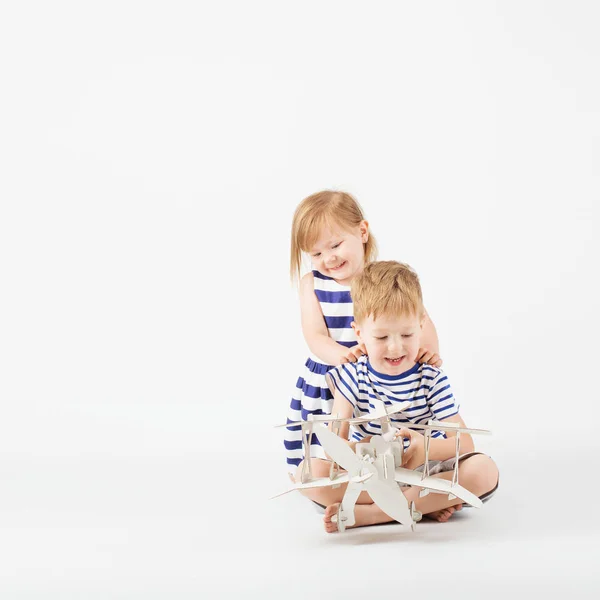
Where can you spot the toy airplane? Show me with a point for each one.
(376, 466)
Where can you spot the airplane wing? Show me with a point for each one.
(440, 426)
(315, 419)
(403, 475)
(321, 419)
(315, 483)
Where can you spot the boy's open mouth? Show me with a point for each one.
(394, 361)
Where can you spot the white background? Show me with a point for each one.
(152, 155)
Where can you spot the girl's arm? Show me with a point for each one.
(429, 337)
(314, 328)
(429, 352)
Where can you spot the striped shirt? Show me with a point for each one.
(427, 388)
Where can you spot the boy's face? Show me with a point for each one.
(392, 342)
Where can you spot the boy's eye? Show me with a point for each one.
(381, 338)
(407, 335)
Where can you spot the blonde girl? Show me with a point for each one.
(331, 229)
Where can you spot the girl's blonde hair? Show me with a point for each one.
(325, 208)
(386, 288)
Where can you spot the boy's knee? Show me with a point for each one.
(480, 473)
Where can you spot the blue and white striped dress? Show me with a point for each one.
(312, 395)
(426, 387)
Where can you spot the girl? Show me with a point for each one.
(330, 227)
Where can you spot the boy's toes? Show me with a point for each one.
(446, 514)
(330, 511)
(331, 527)
(443, 516)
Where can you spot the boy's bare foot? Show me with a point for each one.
(364, 514)
(443, 515)
(330, 511)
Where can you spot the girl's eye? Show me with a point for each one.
(336, 245)
(316, 255)
(407, 335)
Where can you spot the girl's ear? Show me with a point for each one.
(364, 231)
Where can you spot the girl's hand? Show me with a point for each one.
(427, 357)
(352, 354)
(415, 453)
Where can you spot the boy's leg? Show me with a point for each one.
(478, 474)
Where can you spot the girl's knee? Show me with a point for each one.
(480, 473)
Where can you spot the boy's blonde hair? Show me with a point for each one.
(386, 288)
(324, 208)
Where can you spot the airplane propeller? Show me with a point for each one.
(386, 494)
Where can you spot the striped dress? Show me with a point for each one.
(425, 386)
(311, 394)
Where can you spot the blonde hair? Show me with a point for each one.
(386, 288)
(325, 208)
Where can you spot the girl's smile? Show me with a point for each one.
(339, 266)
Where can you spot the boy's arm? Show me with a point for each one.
(466, 440)
(441, 401)
(314, 328)
(342, 409)
(442, 449)
(439, 448)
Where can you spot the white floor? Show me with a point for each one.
(151, 527)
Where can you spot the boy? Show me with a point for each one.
(388, 319)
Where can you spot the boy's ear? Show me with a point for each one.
(356, 328)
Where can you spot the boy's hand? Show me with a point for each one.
(352, 354)
(428, 357)
(415, 453)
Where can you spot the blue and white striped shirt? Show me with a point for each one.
(427, 388)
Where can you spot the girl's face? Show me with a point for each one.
(340, 253)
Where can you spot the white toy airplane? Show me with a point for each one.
(307, 432)
(376, 466)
